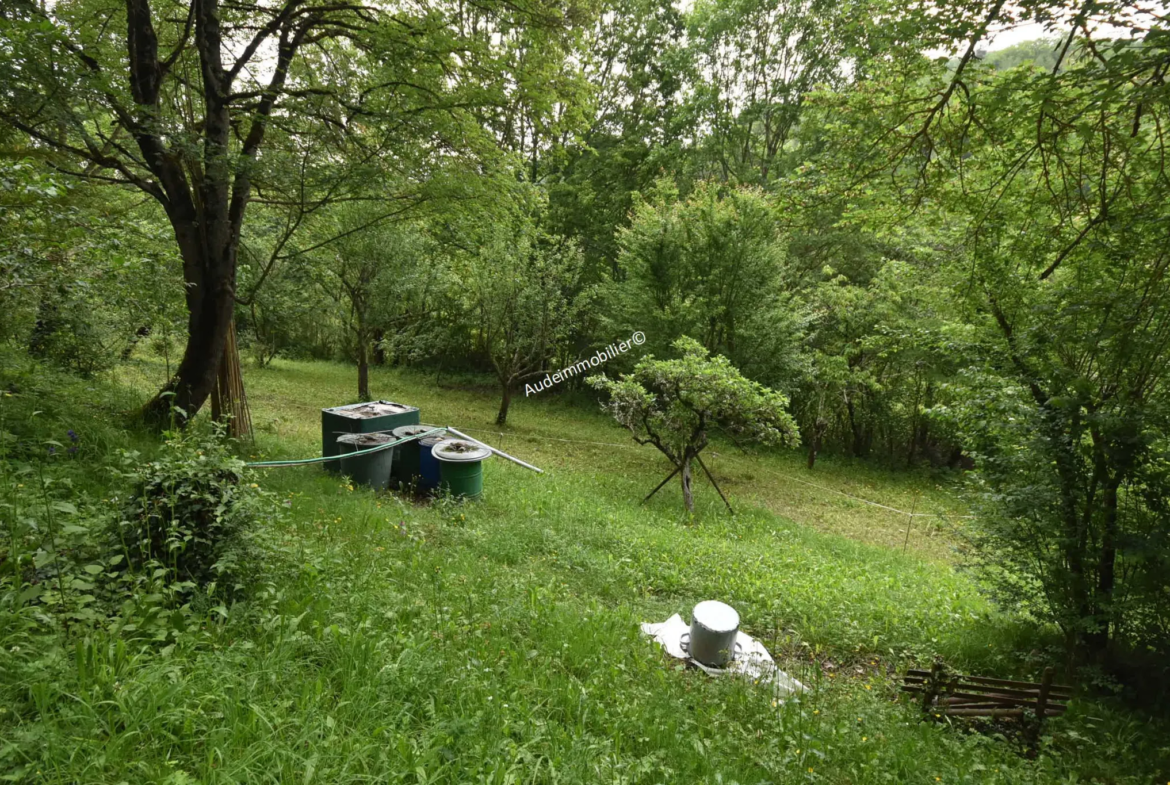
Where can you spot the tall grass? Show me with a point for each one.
(498, 642)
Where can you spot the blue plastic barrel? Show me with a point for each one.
(428, 464)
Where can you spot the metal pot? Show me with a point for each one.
(712, 638)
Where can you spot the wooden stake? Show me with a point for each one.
(712, 479)
(228, 400)
(669, 477)
(909, 522)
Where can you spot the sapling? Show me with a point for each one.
(672, 404)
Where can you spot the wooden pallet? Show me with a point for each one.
(955, 695)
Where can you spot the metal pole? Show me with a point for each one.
(494, 450)
(909, 521)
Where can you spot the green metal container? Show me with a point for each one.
(461, 467)
(372, 469)
(360, 418)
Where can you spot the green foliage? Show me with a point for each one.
(955, 259)
(755, 61)
(710, 266)
(1059, 310)
(674, 404)
(75, 289)
(59, 499)
(521, 291)
(191, 508)
(399, 642)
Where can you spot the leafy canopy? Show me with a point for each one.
(673, 403)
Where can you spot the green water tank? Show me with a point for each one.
(360, 418)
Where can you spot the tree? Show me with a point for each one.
(672, 404)
(205, 104)
(1050, 191)
(637, 66)
(521, 294)
(755, 60)
(384, 277)
(710, 266)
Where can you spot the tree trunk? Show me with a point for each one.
(505, 402)
(379, 340)
(1096, 639)
(205, 212)
(363, 364)
(814, 447)
(211, 290)
(859, 441)
(139, 334)
(688, 496)
(47, 324)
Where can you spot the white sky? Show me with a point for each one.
(1001, 37)
(1015, 35)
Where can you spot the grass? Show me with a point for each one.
(498, 642)
(558, 434)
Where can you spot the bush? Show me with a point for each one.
(190, 509)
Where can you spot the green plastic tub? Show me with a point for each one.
(461, 467)
(372, 469)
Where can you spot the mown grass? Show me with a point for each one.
(564, 433)
(385, 641)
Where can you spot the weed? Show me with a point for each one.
(498, 641)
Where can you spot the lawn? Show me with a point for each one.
(497, 642)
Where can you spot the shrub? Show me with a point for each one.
(672, 404)
(190, 508)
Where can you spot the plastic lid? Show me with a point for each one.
(402, 431)
(460, 451)
(365, 439)
(716, 616)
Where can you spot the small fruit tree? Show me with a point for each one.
(672, 404)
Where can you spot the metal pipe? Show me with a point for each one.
(494, 450)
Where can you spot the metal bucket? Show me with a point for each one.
(712, 638)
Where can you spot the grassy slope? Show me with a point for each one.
(497, 642)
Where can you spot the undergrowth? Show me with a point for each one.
(362, 638)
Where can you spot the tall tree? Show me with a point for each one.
(710, 266)
(1050, 190)
(755, 61)
(383, 277)
(522, 296)
(196, 103)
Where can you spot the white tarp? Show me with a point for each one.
(752, 660)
